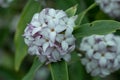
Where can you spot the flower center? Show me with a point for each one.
(103, 55)
(52, 30)
(47, 40)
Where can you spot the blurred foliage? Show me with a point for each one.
(7, 32)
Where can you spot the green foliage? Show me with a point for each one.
(100, 27)
(82, 14)
(36, 65)
(59, 71)
(21, 49)
(71, 11)
(77, 71)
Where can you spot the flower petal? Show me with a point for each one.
(67, 57)
(89, 53)
(70, 40)
(64, 45)
(84, 61)
(102, 61)
(55, 54)
(110, 55)
(97, 56)
(52, 12)
(45, 46)
(52, 36)
(33, 50)
(59, 28)
(59, 37)
(60, 14)
(95, 72)
(35, 30)
(68, 31)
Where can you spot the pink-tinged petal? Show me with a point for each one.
(59, 28)
(35, 30)
(52, 12)
(109, 55)
(97, 56)
(45, 46)
(52, 36)
(102, 62)
(64, 45)
(67, 57)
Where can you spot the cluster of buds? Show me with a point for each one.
(110, 7)
(102, 54)
(49, 35)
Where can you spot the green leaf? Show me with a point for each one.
(36, 65)
(82, 14)
(100, 27)
(21, 49)
(77, 71)
(71, 11)
(59, 71)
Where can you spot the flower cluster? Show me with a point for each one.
(102, 54)
(49, 35)
(111, 7)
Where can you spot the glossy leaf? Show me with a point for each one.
(100, 27)
(59, 71)
(36, 65)
(21, 49)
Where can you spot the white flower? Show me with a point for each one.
(102, 54)
(55, 15)
(49, 37)
(111, 7)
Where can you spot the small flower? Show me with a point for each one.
(102, 55)
(110, 7)
(49, 35)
